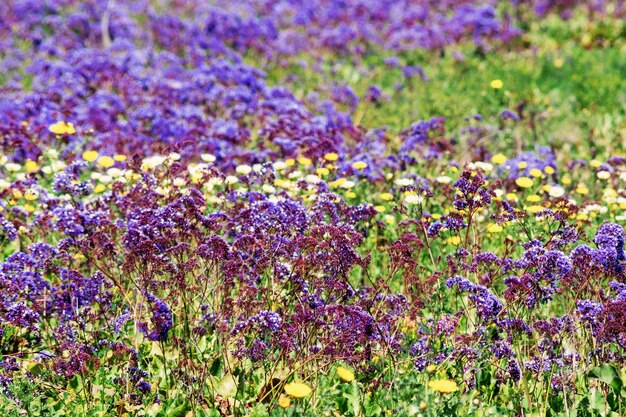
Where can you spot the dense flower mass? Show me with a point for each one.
(312, 207)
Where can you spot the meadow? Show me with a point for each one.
(312, 208)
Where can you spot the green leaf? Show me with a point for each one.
(581, 407)
(353, 397)
(205, 412)
(607, 374)
(597, 401)
(179, 411)
(35, 368)
(216, 367)
(371, 406)
(227, 387)
(74, 382)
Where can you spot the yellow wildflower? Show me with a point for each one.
(62, 128)
(305, 161)
(90, 156)
(322, 172)
(337, 182)
(31, 166)
(389, 219)
(454, 240)
(284, 401)
(31, 194)
(386, 196)
(498, 159)
(345, 374)
(536, 173)
(494, 228)
(524, 182)
(298, 390)
(496, 84)
(445, 386)
(106, 161)
(359, 165)
(279, 182)
(331, 156)
(582, 190)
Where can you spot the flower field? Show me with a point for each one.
(312, 208)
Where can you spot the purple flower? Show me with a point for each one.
(509, 115)
(503, 350)
(144, 386)
(588, 311)
(514, 370)
(487, 304)
(610, 241)
(540, 159)
(22, 316)
(161, 320)
(434, 228)
(9, 230)
(267, 320)
(121, 321)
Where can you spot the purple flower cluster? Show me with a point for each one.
(488, 306)
(541, 158)
(161, 320)
(610, 241)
